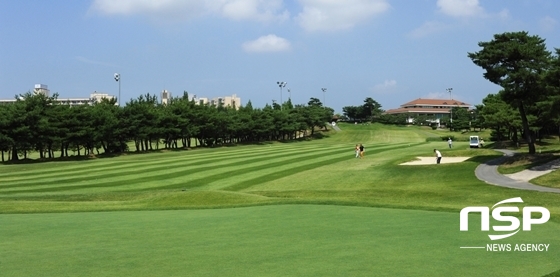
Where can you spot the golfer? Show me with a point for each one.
(361, 150)
(438, 156)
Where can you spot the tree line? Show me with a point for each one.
(528, 105)
(36, 122)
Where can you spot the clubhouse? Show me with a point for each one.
(436, 108)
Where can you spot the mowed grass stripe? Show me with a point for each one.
(297, 169)
(139, 171)
(139, 178)
(124, 165)
(139, 175)
(244, 169)
(97, 175)
(163, 164)
(209, 182)
(133, 157)
(52, 168)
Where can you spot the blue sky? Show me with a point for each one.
(392, 51)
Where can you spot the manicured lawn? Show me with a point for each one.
(278, 209)
(280, 240)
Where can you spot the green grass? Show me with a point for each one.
(285, 240)
(277, 209)
(548, 180)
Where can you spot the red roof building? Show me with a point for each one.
(437, 108)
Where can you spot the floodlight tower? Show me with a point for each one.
(324, 101)
(451, 116)
(118, 79)
(281, 85)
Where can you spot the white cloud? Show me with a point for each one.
(332, 15)
(428, 28)
(170, 9)
(270, 43)
(548, 23)
(173, 10)
(504, 14)
(460, 8)
(388, 86)
(254, 10)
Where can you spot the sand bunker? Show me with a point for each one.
(432, 160)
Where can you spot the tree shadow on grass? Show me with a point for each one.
(90, 157)
(488, 159)
(553, 274)
(317, 135)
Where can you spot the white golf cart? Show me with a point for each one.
(474, 142)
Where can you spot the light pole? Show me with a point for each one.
(451, 110)
(118, 79)
(290, 94)
(281, 85)
(324, 101)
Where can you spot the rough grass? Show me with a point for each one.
(521, 162)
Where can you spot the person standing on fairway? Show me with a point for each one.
(450, 142)
(438, 156)
(357, 150)
(361, 150)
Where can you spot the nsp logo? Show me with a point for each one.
(528, 220)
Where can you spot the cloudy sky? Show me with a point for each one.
(391, 50)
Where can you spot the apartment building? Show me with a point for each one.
(72, 101)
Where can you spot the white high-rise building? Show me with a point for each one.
(165, 97)
(42, 89)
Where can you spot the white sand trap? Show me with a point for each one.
(432, 160)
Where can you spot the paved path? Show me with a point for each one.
(488, 172)
(335, 127)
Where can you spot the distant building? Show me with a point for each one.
(226, 101)
(436, 108)
(43, 89)
(95, 97)
(165, 97)
(200, 100)
(98, 96)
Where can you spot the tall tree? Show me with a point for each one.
(371, 108)
(553, 86)
(352, 112)
(5, 141)
(516, 62)
(501, 117)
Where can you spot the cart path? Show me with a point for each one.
(488, 172)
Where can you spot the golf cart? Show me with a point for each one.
(474, 142)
